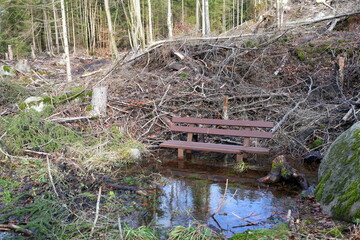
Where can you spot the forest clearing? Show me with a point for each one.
(90, 90)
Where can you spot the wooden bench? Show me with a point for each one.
(245, 129)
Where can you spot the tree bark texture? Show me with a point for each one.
(169, 20)
(99, 101)
(114, 49)
(66, 42)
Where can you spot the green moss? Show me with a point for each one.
(285, 173)
(317, 143)
(8, 69)
(320, 187)
(300, 54)
(281, 232)
(350, 196)
(183, 75)
(88, 108)
(329, 199)
(276, 165)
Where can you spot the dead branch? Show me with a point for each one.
(17, 228)
(50, 175)
(252, 223)
(301, 23)
(351, 110)
(37, 152)
(278, 125)
(70, 119)
(96, 212)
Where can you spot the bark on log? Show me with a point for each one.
(282, 171)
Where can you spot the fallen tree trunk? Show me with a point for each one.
(282, 171)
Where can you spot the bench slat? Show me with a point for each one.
(240, 123)
(213, 147)
(227, 132)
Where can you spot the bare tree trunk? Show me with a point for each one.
(73, 28)
(224, 16)
(56, 27)
(33, 30)
(197, 15)
(33, 56)
(207, 17)
(182, 12)
(136, 31)
(278, 13)
(233, 14)
(112, 39)
(47, 32)
(169, 20)
(151, 38)
(242, 12)
(203, 24)
(237, 12)
(66, 43)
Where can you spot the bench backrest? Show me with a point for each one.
(226, 132)
(239, 123)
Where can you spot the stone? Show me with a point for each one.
(314, 156)
(135, 153)
(7, 71)
(36, 103)
(338, 190)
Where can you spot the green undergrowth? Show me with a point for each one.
(111, 150)
(197, 232)
(140, 233)
(11, 92)
(281, 232)
(29, 130)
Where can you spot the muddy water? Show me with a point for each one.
(199, 193)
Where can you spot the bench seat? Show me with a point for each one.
(213, 147)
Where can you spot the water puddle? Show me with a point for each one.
(198, 193)
(232, 209)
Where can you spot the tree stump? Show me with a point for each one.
(282, 171)
(10, 53)
(99, 101)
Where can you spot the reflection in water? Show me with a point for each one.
(186, 200)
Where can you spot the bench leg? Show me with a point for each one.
(240, 158)
(180, 154)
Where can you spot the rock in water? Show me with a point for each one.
(338, 190)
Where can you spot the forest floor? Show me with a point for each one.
(306, 78)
